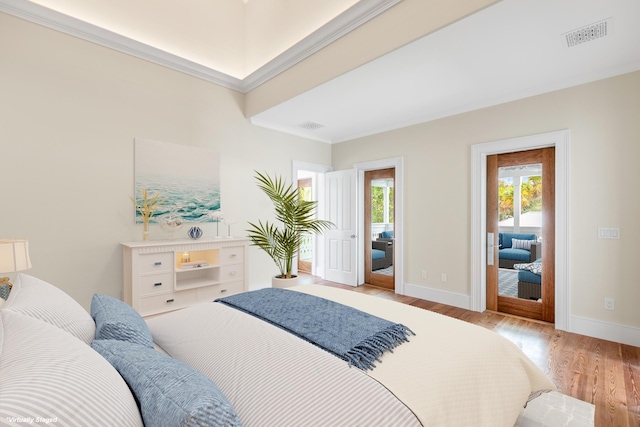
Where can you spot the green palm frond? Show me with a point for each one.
(297, 218)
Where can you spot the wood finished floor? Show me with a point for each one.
(597, 371)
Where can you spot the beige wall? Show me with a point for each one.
(604, 119)
(69, 113)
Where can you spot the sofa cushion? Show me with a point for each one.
(515, 254)
(527, 276)
(508, 237)
(377, 254)
(387, 234)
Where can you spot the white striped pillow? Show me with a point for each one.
(38, 299)
(521, 244)
(48, 373)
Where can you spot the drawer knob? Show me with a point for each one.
(157, 263)
(222, 291)
(170, 300)
(157, 284)
(232, 255)
(232, 273)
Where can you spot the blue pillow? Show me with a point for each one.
(168, 392)
(386, 234)
(119, 321)
(4, 291)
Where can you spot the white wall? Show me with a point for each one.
(605, 130)
(69, 113)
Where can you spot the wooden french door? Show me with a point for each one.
(545, 308)
(382, 271)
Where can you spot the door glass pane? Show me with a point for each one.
(382, 238)
(520, 228)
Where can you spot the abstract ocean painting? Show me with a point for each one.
(187, 177)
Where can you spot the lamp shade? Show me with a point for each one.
(14, 255)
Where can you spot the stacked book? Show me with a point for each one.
(193, 264)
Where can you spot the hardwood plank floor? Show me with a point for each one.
(604, 373)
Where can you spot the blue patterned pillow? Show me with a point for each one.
(4, 291)
(169, 392)
(119, 321)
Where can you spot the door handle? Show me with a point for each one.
(490, 246)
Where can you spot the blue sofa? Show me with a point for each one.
(508, 255)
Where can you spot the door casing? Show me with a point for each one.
(479, 152)
(398, 164)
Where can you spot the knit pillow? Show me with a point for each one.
(119, 321)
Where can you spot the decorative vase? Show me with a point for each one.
(171, 223)
(277, 282)
(145, 229)
(195, 233)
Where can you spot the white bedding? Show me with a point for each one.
(450, 374)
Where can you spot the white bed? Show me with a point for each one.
(450, 373)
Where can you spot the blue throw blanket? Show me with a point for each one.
(352, 335)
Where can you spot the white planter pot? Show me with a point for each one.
(283, 283)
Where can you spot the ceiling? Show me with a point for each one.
(234, 37)
(510, 50)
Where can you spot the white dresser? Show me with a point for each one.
(161, 276)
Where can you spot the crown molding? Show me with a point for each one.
(351, 19)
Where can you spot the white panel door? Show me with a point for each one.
(341, 241)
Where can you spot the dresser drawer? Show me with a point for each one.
(231, 272)
(166, 302)
(231, 255)
(210, 293)
(149, 263)
(156, 284)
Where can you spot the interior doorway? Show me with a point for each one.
(305, 252)
(396, 163)
(520, 214)
(379, 230)
(312, 175)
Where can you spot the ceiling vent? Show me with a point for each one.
(309, 125)
(588, 33)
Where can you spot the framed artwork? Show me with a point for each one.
(187, 177)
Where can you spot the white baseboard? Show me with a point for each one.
(438, 295)
(579, 325)
(607, 331)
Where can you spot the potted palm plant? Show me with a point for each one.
(296, 218)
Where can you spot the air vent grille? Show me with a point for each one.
(309, 125)
(589, 33)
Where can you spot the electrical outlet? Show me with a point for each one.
(443, 278)
(608, 303)
(424, 275)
